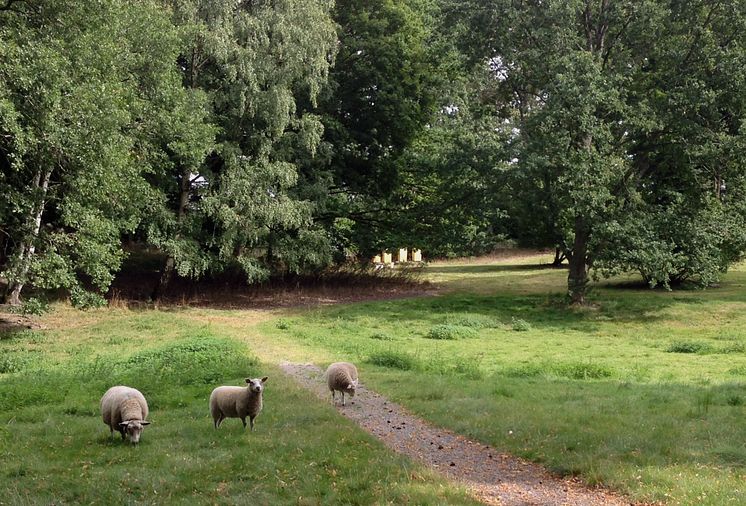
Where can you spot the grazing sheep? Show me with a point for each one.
(125, 409)
(237, 402)
(342, 376)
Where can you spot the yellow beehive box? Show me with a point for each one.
(416, 255)
(402, 257)
(377, 259)
(386, 257)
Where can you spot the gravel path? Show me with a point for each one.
(493, 477)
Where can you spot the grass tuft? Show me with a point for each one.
(688, 347)
(449, 332)
(392, 360)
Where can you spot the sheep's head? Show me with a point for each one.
(133, 429)
(256, 385)
(350, 390)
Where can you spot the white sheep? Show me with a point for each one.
(237, 402)
(125, 409)
(342, 377)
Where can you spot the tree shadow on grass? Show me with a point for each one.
(473, 269)
(544, 312)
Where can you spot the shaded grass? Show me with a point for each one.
(56, 449)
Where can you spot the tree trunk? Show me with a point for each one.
(559, 257)
(577, 279)
(167, 273)
(27, 248)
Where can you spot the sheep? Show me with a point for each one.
(125, 409)
(237, 402)
(342, 376)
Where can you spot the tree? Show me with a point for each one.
(380, 96)
(256, 61)
(590, 84)
(74, 85)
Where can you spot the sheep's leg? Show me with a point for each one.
(333, 399)
(251, 420)
(243, 419)
(343, 398)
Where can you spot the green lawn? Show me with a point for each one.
(55, 449)
(645, 392)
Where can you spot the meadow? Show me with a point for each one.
(644, 392)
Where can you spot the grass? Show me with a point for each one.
(643, 391)
(55, 448)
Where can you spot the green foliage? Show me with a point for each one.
(83, 299)
(34, 306)
(81, 86)
(615, 136)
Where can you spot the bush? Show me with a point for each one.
(83, 299)
(688, 347)
(450, 332)
(282, 324)
(33, 306)
(520, 325)
(392, 359)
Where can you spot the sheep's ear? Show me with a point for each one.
(351, 386)
(123, 424)
(264, 379)
(247, 380)
(144, 423)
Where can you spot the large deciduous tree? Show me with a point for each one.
(628, 116)
(379, 98)
(257, 62)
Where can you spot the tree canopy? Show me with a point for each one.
(282, 136)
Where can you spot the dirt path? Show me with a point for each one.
(493, 477)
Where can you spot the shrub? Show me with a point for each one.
(450, 332)
(520, 325)
(688, 347)
(392, 359)
(33, 306)
(83, 299)
(282, 324)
